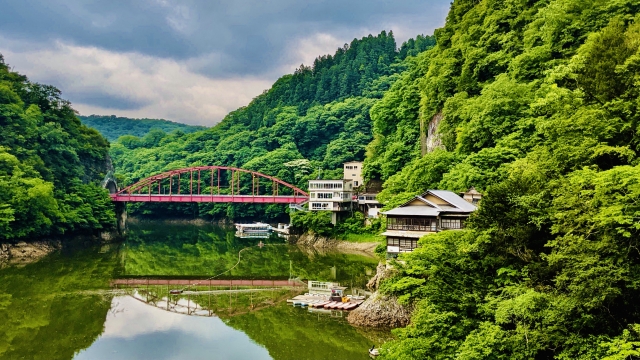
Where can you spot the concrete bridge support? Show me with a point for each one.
(111, 185)
(121, 218)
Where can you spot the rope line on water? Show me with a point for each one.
(231, 268)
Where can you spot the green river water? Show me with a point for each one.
(63, 306)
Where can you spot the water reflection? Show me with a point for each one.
(154, 250)
(133, 330)
(63, 306)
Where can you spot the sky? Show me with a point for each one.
(190, 61)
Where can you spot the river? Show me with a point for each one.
(65, 306)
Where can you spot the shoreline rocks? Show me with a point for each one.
(379, 310)
(25, 253)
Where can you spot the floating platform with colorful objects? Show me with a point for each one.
(325, 302)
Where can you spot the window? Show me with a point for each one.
(452, 223)
(320, 206)
(403, 244)
(355, 183)
(325, 186)
(411, 224)
(325, 195)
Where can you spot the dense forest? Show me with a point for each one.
(535, 104)
(532, 102)
(112, 127)
(49, 163)
(308, 122)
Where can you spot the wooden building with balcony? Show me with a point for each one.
(431, 212)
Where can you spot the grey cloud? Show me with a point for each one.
(246, 37)
(104, 100)
(187, 60)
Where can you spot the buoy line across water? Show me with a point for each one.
(260, 245)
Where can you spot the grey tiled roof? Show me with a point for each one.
(453, 199)
(457, 205)
(414, 210)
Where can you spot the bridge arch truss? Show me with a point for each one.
(212, 184)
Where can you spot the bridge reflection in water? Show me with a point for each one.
(208, 298)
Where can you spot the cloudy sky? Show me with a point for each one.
(190, 61)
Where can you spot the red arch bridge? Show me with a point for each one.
(211, 184)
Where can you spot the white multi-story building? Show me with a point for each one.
(353, 171)
(330, 195)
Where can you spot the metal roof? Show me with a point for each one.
(453, 199)
(406, 234)
(456, 205)
(414, 210)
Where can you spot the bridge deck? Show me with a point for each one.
(207, 282)
(262, 199)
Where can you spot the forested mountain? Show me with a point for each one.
(536, 104)
(112, 127)
(48, 163)
(316, 118)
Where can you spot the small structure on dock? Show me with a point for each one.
(321, 287)
(328, 296)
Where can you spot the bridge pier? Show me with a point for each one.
(121, 218)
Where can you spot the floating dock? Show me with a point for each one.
(323, 302)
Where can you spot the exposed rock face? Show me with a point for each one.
(433, 139)
(374, 282)
(24, 253)
(381, 311)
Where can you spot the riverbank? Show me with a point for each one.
(23, 253)
(320, 242)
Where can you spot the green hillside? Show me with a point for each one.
(316, 118)
(50, 163)
(536, 105)
(113, 127)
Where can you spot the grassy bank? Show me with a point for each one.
(362, 238)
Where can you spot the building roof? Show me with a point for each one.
(471, 191)
(414, 210)
(452, 198)
(405, 234)
(329, 180)
(455, 204)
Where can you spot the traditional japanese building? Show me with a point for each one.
(431, 212)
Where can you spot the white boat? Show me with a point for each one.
(373, 351)
(253, 228)
(253, 235)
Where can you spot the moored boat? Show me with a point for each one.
(373, 351)
(253, 228)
